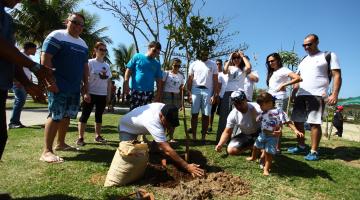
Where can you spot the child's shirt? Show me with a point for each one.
(273, 119)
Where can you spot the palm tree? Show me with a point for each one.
(123, 55)
(34, 22)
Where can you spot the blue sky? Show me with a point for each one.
(271, 25)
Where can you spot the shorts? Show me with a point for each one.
(200, 100)
(243, 140)
(140, 98)
(281, 104)
(172, 98)
(308, 109)
(125, 136)
(63, 105)
(267, 142)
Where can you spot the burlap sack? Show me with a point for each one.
(128, 165)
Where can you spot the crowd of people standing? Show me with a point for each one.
(243, 124)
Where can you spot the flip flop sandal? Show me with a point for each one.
(54, 159)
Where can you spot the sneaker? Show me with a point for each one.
(209, 129)
(19, 125)
(100, 139)
(80, 142)
(312, 156)
(296, 150)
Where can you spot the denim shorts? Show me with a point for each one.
(200, 100)
(63, 105)
(267, 142)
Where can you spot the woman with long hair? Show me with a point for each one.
(100, 93)
(278, 78)
(173, 83)
(236, 69)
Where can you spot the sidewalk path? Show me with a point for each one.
(351, 131)
(30, 117)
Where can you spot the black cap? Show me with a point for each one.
(171, 114)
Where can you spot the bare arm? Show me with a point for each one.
(295, 78)
(225, 136)
(333, 98)
(159, 90)
(128, 73)
(191, 168)
(253, 78)
(247, 68)
(293, 127)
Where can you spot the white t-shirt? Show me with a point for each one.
(279, 77)
(245, 121)
(144, 120)
(273, 119)
(27, 70)
(172, 81)
(222, 79)
(249, 86)
(99, 77)
(313, 70)
(203, 73)
(236, 78)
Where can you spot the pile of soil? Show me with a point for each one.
(172, 182)
(215, 185)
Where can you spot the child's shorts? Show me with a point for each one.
(267, 142)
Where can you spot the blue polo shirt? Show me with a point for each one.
(69, 57)
(6, 32)
(145, 70)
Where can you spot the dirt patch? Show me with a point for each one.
(172, 182)
(97, 179)
(216, 185)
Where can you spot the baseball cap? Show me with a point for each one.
(171, 113)
(238, 95)
(340, 107)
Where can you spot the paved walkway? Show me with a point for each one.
(30, 117)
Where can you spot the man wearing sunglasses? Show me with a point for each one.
(12, 62)
(311, 93)
(66, 52)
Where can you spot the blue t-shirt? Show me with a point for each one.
(145, 71)
(6, 32)
(69, 57)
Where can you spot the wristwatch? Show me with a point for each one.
(35, 67)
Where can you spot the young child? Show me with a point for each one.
(272, 120)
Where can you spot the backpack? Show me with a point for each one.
(328, 60)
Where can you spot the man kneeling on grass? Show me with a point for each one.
(130, 160)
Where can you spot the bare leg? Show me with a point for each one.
(204, 126)
(51, 128)
(278, 145)
(81, 129)
(236, 151)
(97, 129)
(254, 154)
(268, 162)
(315, 136)
(48, 155)
(300, 127)
(63, 127)
(194, 121)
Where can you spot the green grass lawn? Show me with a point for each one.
(81, 176)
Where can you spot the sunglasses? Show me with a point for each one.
(307, 45)
(271, 61)
(77, 23)
(235, 58)
(103, 50)
(177, 65)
